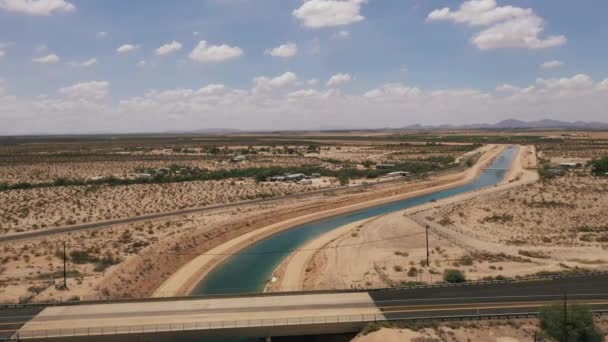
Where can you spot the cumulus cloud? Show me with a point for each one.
(169, 48)
(284, 50)
(36, 7)
(325, 13)
(142, 63)
(94, 90)
(338, 79)
(205, 53)
(126, 48)
(101, 34)
(48, 59)
(505, 26)
(552, 64)
(89, 63)
(265, 84)
(287, 104)
(578, 82)
(2, 53)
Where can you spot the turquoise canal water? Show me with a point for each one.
(249, 270)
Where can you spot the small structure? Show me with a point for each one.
(294, 176)
(570, 165)
(142, 175)
(305, 182)
(277, 179)
(397, 174)
(315, 175)
(384, 166)
(239, 159)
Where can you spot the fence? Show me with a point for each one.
(362, 319)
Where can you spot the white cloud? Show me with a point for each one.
(125, 48)
(169, 48)
(142, 63)
(325, 13)
(94, 90)
(313, 81)
(36, 7)
(338, 79)
(343, 34)
(398, 90)
(265, 84)
(89, 62)
(41, 48)
(204, 53)
(552, 64)
(285, 50)
(195, 33)
(506, 26)
(288, 104)
(48, 59)
(2, 53)
(101, 34)
(580, 81)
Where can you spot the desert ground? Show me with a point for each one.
(132, 260)
(520, 330)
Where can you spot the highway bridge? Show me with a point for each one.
(288, 314)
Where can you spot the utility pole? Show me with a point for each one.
(65, 274)
(565, 332)
(428, 255)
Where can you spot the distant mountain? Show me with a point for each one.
(516, 124)
(212, 131)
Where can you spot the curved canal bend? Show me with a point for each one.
(248, 271)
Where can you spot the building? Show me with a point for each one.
(397, 174)
(570, 165)
(294, 176)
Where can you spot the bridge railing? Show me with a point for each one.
(475, 314)
(193, 326)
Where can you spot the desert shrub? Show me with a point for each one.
(454, 276)
(533, 254)
(579, 325)
(599, 166)
(81, 257)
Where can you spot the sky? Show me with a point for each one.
(95, 66)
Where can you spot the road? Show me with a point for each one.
(208, 313)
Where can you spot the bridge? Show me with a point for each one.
(286, 314)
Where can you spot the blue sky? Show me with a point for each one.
(396, 62)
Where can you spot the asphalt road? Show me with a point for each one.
(13, 319)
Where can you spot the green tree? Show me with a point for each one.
(454, 276)
(578, 325)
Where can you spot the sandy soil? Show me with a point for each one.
(187, 277)
(343, 258)
(23, 210)
(499, 331)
